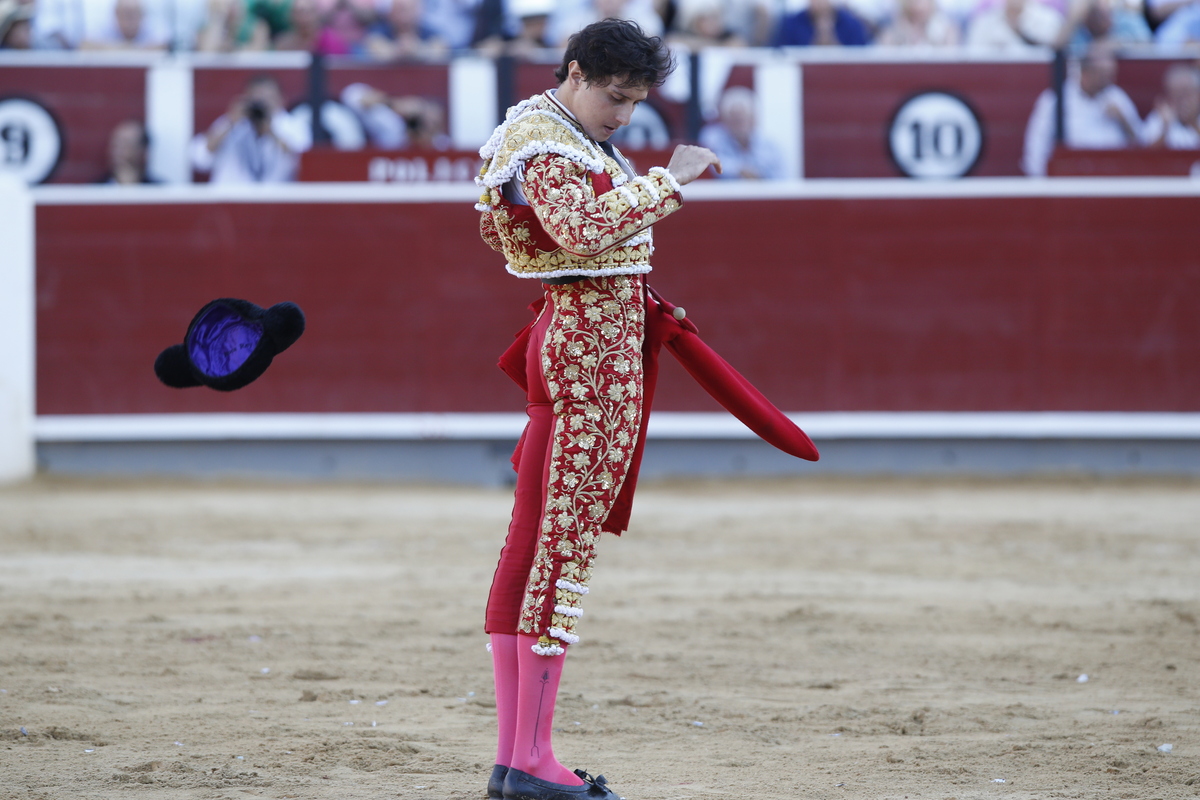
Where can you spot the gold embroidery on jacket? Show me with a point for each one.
(595, 235)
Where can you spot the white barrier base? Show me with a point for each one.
(663, 425)
(475, 448)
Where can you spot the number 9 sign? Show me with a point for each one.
(31, 142)
(935, 135)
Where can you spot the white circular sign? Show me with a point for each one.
(30, 141)
(935, 135)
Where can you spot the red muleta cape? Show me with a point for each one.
(714, 374)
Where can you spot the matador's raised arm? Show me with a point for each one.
(585, 222)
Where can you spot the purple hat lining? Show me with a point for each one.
(221, 341)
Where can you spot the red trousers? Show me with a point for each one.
(529, 498)
(584, 375)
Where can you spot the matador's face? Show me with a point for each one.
(600, 109)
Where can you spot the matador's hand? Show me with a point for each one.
(689, 161)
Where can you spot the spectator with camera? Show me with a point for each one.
(255, 141)
(396, 123)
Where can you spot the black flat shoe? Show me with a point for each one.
(520, 785)
(496, 782)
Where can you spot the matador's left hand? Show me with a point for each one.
(689, 161)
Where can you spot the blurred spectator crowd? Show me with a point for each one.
(259, 140)
(387, 30)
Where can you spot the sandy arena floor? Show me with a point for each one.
(782, 641)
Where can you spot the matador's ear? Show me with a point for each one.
(229, 344)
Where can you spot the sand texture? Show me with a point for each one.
(773, 640)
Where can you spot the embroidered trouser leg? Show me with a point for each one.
(585, 406)
(592, 359)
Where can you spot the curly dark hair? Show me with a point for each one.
(617, 48)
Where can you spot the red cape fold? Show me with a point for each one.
(714, 374)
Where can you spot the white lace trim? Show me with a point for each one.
(577, 588)
(563, 636)
(568, 611)
(496, 178)
(629, 196)
(548, 650)
(649, 187)
(666, 173)
(624, 269)
(590, 156)
(645, 237)
(493, 143)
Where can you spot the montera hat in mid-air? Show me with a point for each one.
(229, 344)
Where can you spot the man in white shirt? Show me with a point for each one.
(1097, 114)
(256, 141)
(743, 150)
(1175, 121)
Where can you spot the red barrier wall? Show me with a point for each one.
(406, 308)
(954, 304)
(946, 304)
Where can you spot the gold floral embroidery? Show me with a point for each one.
(487, 229)
(604, 234)
(582, 223)
(588, 360)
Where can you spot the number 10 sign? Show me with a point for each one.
(935, 135)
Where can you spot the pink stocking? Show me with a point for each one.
(536, 696)
(505, 672)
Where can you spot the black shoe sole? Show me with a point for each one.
(520, 785)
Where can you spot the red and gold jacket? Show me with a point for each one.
(586, 216)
